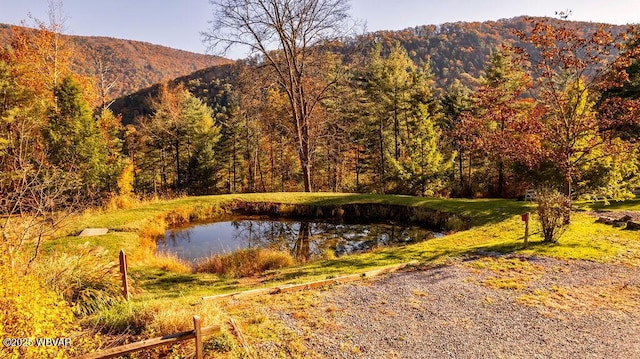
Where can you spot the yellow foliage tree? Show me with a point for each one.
(125, 180)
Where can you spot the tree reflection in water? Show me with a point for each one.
(305, 240)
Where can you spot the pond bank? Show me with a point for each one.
(355, 213)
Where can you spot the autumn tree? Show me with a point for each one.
(105, 76)
(286, 34)
(44, 51)
(32, 191)
(248, 105)
(345, 132)
(569, 67)
(618, 111)
(38, 186)
(231, 149)
(112, 133)
(503, 120)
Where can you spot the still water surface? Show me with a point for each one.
(303, 239)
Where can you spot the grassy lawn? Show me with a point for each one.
(497, 227)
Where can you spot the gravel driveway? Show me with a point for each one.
(537, 308)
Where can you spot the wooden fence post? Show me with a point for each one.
(198, 333)
(123, 271)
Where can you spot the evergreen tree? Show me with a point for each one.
(74, 142)
(400, 101)
(179, 138)
(201, 137)
(455, 101)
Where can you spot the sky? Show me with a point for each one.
(178, 23)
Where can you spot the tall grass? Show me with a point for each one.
(88, 281)
(154, 318)
(245, 262)
(168, 262)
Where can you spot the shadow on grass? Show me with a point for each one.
(508, 247)
(156, 280)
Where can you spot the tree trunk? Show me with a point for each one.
(251, 165)
(259, 169)
(460, 167)
(272, 159)
(469, 179)
(381, 170)
(163, 174)
(500, 178)
(305, 155)
(396, 123)
(357, 168)
(306, 172)
(568, 189)
(282, 168)
(233, 161)
(177, 155)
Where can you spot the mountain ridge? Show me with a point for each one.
(134, 64)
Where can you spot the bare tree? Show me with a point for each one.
(105, 77)
(286, 34)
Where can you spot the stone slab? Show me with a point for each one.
(91, 232)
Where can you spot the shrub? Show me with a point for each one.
(223, 343)
(122, 318)
(121, 202)
(202, 212)
(554, 210)
(30, 310)
(151, 232)
(245, 262)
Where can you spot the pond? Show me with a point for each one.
(305, 240)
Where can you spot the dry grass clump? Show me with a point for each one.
(121, 202)
(245, 262)
(88, 281)
(169, 262)
(155, 318)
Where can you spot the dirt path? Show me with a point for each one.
(481, 308)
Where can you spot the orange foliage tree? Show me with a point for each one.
(569, 67)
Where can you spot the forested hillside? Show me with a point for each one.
(454, 109)
(130, 65)
(453, 50)
(459, 49)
